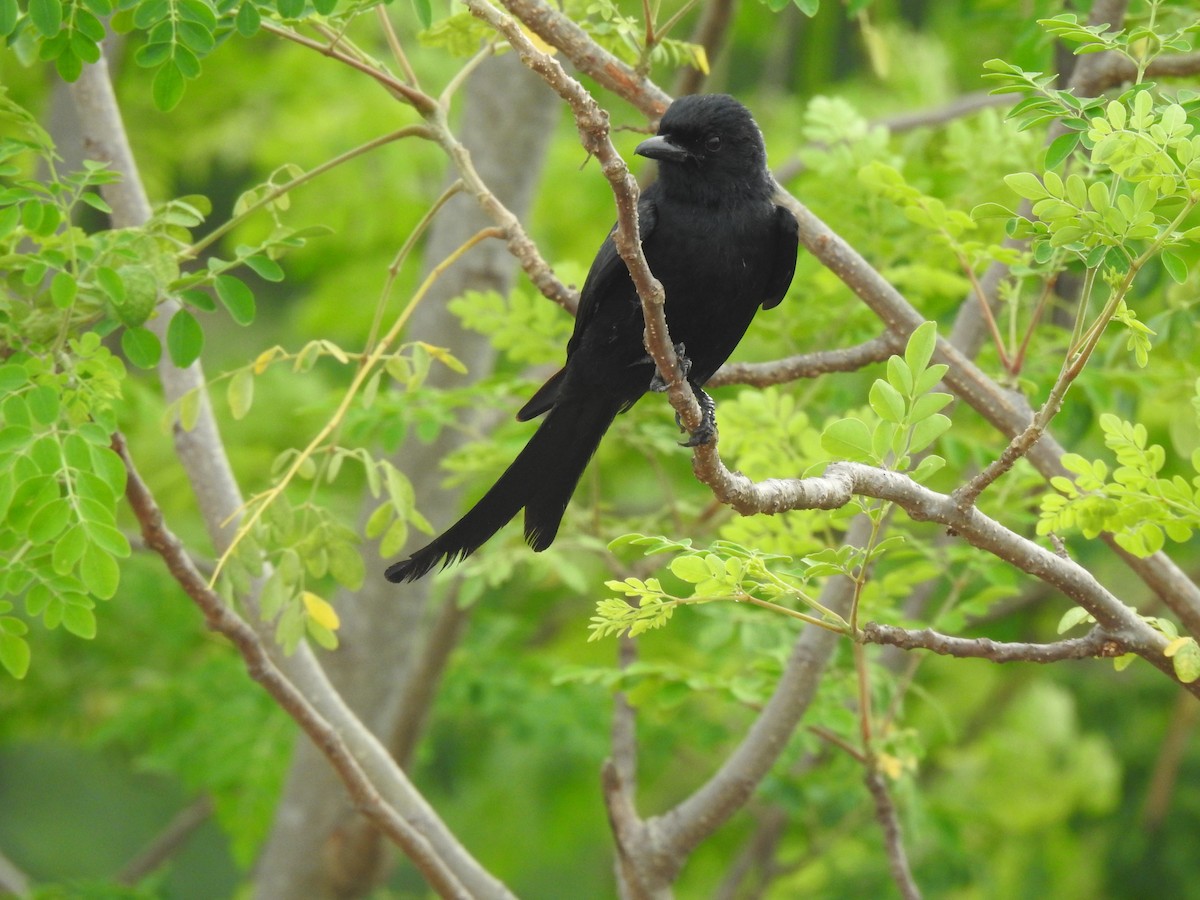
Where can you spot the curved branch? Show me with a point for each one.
(844, 480)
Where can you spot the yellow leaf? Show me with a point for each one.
(889, 765)
(1175, 646)
(264, 359)
(320, 610)
(700, 59)
(538, 43)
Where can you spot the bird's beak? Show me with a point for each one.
(661, 148)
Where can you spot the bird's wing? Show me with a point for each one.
(606, 282)
(608, 278)
(787, 242)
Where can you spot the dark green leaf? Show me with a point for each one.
(152, 55)
(69, 65)
(248, 20)
(185, 339)
(168, 87)
(202, 300)
(1060, 148)
(8, 18)
(265, 267)
(424, 11)
(141, 346)
(46, 16)
(290, 9)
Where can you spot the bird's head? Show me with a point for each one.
(709, 146)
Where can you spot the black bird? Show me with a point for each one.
(714, 237)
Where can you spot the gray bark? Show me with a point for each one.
(318, 846)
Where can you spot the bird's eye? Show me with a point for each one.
(712, 143)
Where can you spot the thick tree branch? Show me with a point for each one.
(559, 31)
(842, 481)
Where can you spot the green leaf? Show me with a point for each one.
(48, 521)
(99, 572)
(927, 431)
(1185, 655)
(1026, 184)
(241, 393)
(886, 401)
(1061, 147)
(108, 538)
(185, 339)
(168, 86)
(68, 549)
(424, 11)
(265, 268)
(1074, 616)
(14, 654)
(991, 211)
(8, 21)
(63, 290)
(141, 346)
(848, 439)
(238, 298)
(79, 619)
(46, 16)
(1176, 267)
(248, 20)
(920, 347)
(43, 404)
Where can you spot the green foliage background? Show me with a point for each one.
(1013, 782)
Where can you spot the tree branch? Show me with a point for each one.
(168, 842)
(885, 814)
(592, 123)
(1095, 644)
(220, 618)
(807, 365)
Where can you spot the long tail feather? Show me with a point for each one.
(541, 480)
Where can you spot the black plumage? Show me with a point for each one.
(714, 237)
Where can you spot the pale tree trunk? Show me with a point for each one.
(390, 650)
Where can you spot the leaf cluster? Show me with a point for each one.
(1134, 501)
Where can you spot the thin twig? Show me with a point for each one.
(893, 840)
(168, 842)
(806, 365)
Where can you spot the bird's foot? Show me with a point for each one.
(706, 432)
(657, 384)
